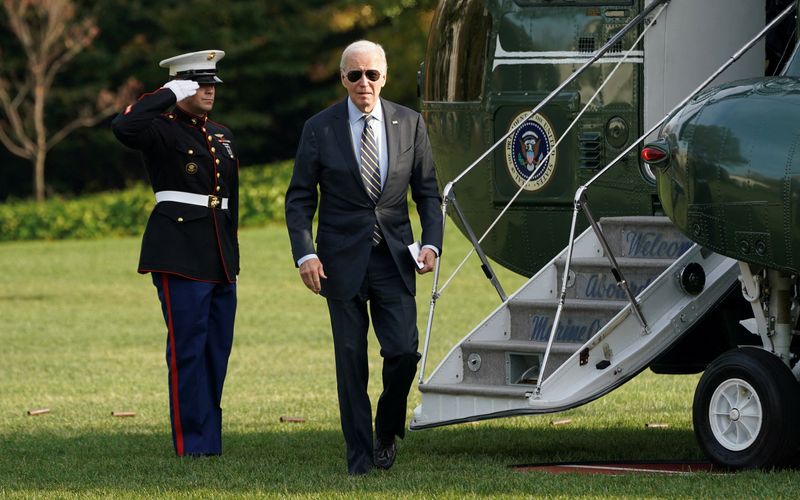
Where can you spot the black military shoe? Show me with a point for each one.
(385, 453)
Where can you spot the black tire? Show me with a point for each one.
(769, 393)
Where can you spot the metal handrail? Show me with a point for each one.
(485, 265)
(434, 297)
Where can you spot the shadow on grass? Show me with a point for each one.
(544, 444)
(303, 461)
(31, 297)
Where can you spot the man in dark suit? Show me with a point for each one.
(190, 244)
(363, 154)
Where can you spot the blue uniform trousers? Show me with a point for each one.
(199, 317)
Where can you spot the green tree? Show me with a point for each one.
(51, 35)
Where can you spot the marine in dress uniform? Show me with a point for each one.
(190, 244)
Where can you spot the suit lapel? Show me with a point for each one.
(341, 128)
(392, 132)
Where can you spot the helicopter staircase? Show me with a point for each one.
(599, 344)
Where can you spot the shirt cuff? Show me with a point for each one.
(435, 250)
(309, 257)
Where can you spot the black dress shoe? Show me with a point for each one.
(385, 453)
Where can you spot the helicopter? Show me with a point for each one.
(685, 261)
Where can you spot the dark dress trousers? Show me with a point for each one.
(192, 252)
(362, 276)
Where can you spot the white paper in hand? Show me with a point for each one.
(414, 249)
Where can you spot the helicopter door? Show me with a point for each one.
(529, 158)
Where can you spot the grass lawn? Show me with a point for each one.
(82, 335)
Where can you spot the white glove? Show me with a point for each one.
(182, 88)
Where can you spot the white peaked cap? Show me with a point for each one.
(193, 61)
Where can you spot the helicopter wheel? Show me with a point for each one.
(746, 410)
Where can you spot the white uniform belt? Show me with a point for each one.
(202, 200)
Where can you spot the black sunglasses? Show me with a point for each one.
(372, 75)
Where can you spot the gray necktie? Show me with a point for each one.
(371, 171)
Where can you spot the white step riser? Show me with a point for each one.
(576, 325)
(594, 281)
(642, 238)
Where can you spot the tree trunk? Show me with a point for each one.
(39, 95)
(38, 175)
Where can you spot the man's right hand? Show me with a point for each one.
(182, 88)
(311, 271)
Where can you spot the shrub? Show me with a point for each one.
(262, 192)
(124, 213)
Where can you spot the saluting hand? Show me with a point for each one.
(182, 88)
(311, 271)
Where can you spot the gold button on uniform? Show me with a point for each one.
(216, 161)
(180, 219)
(191, 151)
(217, 175)
(209, 137)
(213, 150)
(216, 188)
(194, 122)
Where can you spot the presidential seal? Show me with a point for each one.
(527, 152)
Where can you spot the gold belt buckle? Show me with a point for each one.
(214, 201)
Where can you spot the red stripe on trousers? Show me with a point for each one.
(173, 361)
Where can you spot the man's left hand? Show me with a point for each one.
(428, 258)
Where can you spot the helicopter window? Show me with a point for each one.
(457, 45)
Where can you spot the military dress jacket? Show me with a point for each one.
(191, 154)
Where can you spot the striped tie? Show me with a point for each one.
(371, 171)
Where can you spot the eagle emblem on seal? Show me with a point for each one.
(530, 151)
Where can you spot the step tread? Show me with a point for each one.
(569, 304)
(521, 391)
(623, 262)
(528, 346)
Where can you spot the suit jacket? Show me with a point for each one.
(326, 161)
(185, 152)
